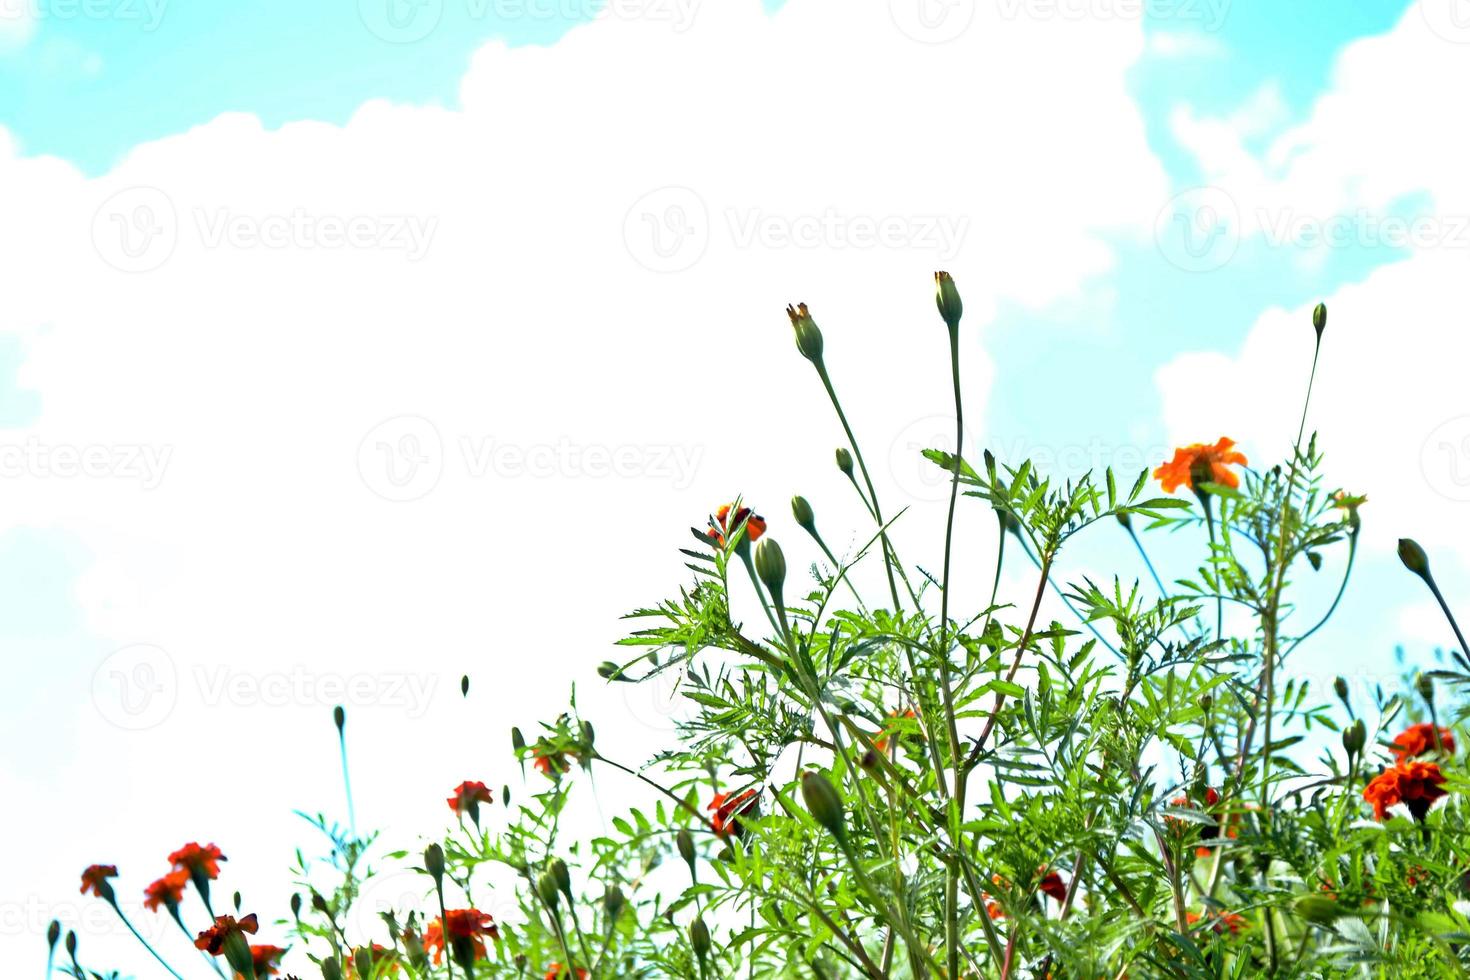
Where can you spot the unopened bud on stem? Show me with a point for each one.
(1414, 558)
(770, 565)
(823, 802)
(805, 517)
(808, 337)
(947, 298)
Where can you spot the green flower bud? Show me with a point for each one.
(517, 740)
(844, 461)
(806, 519)
(434, 862)
(339, 718)
(296, 905)
(1354, 737)
(464, 686)
(685, 842)
(1319, 319)
(1340, 688)
(71, 944)
(236, 949)
(562, 876)
(808, 337)
(364, 960)
(947, 298)
(53, 933)
(823, 802)
(589, 734)
(1414, 558)
(546, 888)
(699, 937)
(1425, 685)
(332, 970)
(1206, 702)
(1317, 909)
(613, 902)
(1124, 519)
(770, 565)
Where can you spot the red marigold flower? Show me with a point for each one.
(167, 891)
(550, 764)
(467, 931)
(1417, 740)
(468, 795)
(1052, 884)
(1415, 784)
(1201, 463)
(198, 860)
(94, 879)
(556, 972)
(723, 524)
(728, 810)
(212, 940)
(265, 959)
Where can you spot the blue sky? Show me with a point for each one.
(274, 533)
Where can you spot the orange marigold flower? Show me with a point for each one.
(167, 891)
(265, 959)
(1052, 884)
(1417, 740)
(198, 860)
(467, 931)
(881, 742)
(94, 879)
(1415, 784)
(723, 524)
(994, 910)
(1201, 463)
(468, 795)
(557, 972)
(728, 810)
(1220, 922)
(212, 940)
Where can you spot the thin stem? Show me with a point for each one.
(1144, 555)
(347, 780)
(138, 936)
(1439, 597)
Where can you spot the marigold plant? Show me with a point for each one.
(874, 777)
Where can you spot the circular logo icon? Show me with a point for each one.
(1199, 229)
(918, 477)
(136, 688)
(667, 230)
(402, 459)
(397, 893)
(932, 21)
(1445, 459)
(136, 229)
(655, 701)
(401, 21)
(1450, 19)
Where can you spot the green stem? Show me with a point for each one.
(138, 936)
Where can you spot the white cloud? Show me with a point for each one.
(1390, 395)
(1186, 44)
(245, 303)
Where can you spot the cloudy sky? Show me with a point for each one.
(352, 346)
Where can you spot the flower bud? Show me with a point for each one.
(806, 519)
(699, 937)
(1319, 319)
(1354, 737)
(434, 862)
(53, 933)
(71, 944)
(844, 461)
(1425, 685)
(822, 800)
(332, 970)
(1317, 909)
(1206, 702)
(1124, 519)
(947, 298)
(1414, 558)
(546, 888)
(517, 740)
(589, 734)
(296, 905)
(808, 337)
(236, 950)
(562, 876)
(364, 961)
(685, 842)
(770, 565)
(464, 686)
(1340, 688)
(613, 902)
